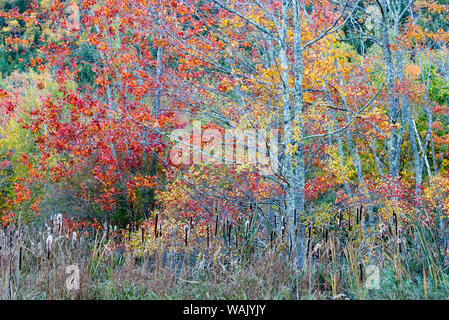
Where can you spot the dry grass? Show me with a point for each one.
(412, 265)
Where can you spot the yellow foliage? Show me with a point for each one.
(340, 169)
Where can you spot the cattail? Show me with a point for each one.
(143, 235)
(208, 236)
(294, 218)
(49, 244)
(20, 257)
(246, 229)
(382, 229)
(309, 240)
(361, 272)
(59, 222)
(216, 225)
(237, 232)
(294, 225)
(290, 244)
(395, 219)
(186, 231)
(283, 228)
(156, 218)
(400, 240)
(74, 237)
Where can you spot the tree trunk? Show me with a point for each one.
(394, 140)
(299, 182)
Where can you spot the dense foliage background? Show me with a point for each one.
(93, 94)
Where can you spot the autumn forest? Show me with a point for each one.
(224, 149)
